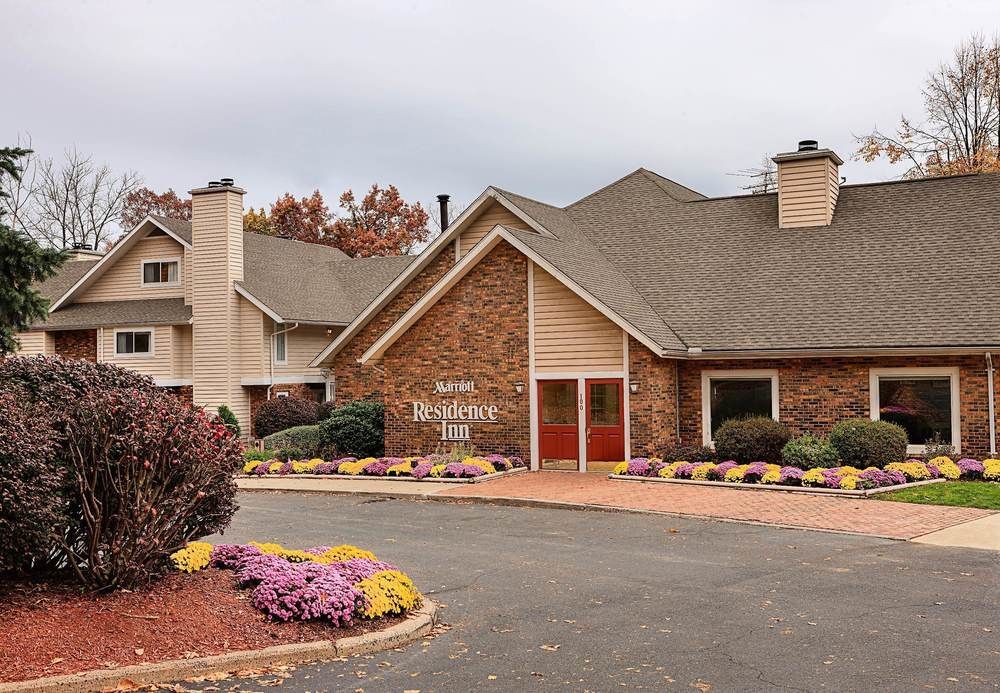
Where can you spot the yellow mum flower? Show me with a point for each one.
(670, 471)
(352, 468)
(991, 469)
(949, 470)
(192, 557)
(388, 592)
(401, 469)
(701, 471)
(620, 468)
(251, 465)
(913, 471)
(437, 470)
(771, 476)
(849, 483)
(736, 474)
(814, 477)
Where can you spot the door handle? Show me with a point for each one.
(588, 434)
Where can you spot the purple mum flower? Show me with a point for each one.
(231, 555)
(376, 468)
(307, 592)
(935, 472)
(262, 468)
(357, 569)
(253, 569)
(718, 473)
(457, 470)
(516, 461)
(970, 468)
(639, 466)
(421, 470)
(790, 476)
(684, 471)
(754, 472)
(895, 476)
(285, 469)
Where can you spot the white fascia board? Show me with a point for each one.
(129, 240)
(820, 352)
(456, 273)
(283, 380)
(429, 253)
(242, 291)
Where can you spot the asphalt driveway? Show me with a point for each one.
(602, 601)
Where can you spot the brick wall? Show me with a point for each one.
(816, 393)
(478, 331)
(76, 344)
(354, 381)
(652, 410)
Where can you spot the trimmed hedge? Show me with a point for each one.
(754, 439)
(280, 413)
(304, 439)
(867, 443)
(809, 452)
(357, 428)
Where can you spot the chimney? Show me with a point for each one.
(443, 206)
(808, 185)
(216, 264)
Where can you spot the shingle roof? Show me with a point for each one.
(69, 274)
(179, 227)
(313, 283)
(904, 264)
(160, 311)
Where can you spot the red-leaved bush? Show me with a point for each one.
(282, 413)
(140, 472)
(32, 502)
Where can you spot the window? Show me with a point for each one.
(924, 401)
(736, 394)
(280, 348)
(133, 342)
(161, 272)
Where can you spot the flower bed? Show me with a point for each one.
(332, 584)
(430, 467)
(841, 478)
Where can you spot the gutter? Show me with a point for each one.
(992, 407)
(270, 356)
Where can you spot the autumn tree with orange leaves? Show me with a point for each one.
(143, 201)
(382, 223)
(960, 132)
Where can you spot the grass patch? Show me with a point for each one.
(965, 494)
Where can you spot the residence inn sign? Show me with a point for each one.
(453, 416)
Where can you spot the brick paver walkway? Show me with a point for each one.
(865, 516)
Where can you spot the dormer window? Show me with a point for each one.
(161, 272)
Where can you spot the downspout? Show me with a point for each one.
(270, 356)
(992, 406)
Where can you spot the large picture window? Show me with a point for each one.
(734, 395)
(924, 401)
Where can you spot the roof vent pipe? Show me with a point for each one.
(226, 181)
(443, 206)
(808, 145)
(214, 184)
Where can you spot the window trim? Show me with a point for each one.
(920, 372)
(160, 285)
(735, 374)
(142, 354)
(283, 335)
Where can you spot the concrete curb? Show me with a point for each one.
(418, 624)
(816, 490)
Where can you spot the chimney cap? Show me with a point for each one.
(808, 149)
(443, 197)
(226, 181)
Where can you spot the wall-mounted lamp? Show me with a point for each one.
(519, 387)
(633, 386)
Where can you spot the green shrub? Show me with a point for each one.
(809, 452)
(305, 440)
(357, 428)
(280, 413)
(259, 455)
(753, 439)
(229, 420)
(865, 443)
(324, 410)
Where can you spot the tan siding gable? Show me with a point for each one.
(181, 349)
(123, 280)
(492, 215)
(570, 334)
(301, 346)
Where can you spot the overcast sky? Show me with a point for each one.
(551, 100)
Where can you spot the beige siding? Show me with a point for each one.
(570, 334)
(807, 192)
(484, 223)
(187, 277)
(36, 343)
(160, 364)
(123, 280)
(217, 231)
(181, 346)
(301, 344)
(253, 348)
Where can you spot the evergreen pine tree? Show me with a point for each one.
(22, 263)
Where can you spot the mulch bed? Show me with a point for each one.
(46, 630)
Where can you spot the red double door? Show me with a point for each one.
(561, 407)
